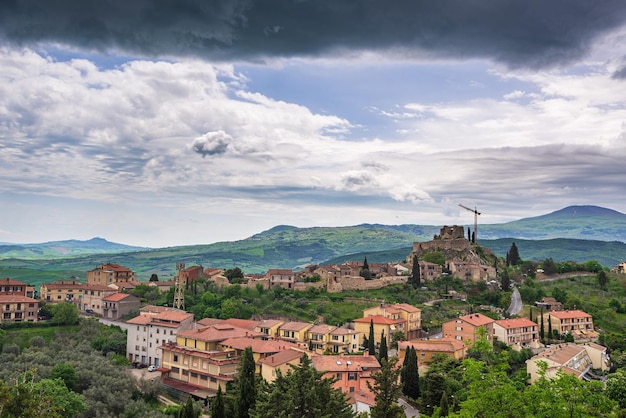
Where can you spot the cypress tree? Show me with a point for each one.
(514, 257)
(443, 406)
(365, 265)
(416, 279)
(549, 327)
(247, 385)
(218, 409)
(542, 332)
(371, 346)
(530, 313)
(506, 281)
(382, 352)
(410, 374)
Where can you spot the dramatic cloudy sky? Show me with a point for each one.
(174, 122)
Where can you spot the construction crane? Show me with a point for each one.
(476, 213)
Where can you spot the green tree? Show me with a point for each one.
(302, 393)
(416, 279)
(506, 281)
(64, 313)
(602, 279)
(246, 385)
(386, 389)
(382, 351)
(513, 255)
(444, 408)
(66, 373)
(63, 400)
(371, 345)
(542, 330)
(218, 409)
(616, 387)
(234, 273)
(365, 270)
(549, 267)
(410, 374)
(188, 410)
(436, 257)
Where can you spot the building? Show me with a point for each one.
(269, 328)
(118, 305)
(295, 332)
(381, 324)
(426, 349)
(260, 348)
(575, 322)
(93, 294)
(568, 358)
(10, 287)
(319, 337)
(106, 274)
(18, 308)
(280, 278)
(549, 304)
(468, 328)
(472, 272)
(429, 271)
(345, 340)
(191, 274)
(148, 331)
(411, 316)
(620, 268)
(520, 331)
(351, 373)
(209, 337)
(283, 361)
(70, 291)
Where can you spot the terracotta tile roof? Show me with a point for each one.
(515, 323)
(11, 282)
(172, 316)
(258, 346)
(17, 298)
(283, 357)
(561, 353)
(379, 319)
(60, 286)
(219, 332)
(140, 320)
(345, 363)
(444, 345)
(295, 326)
(569, 314)
(269, 323)
(343, 331)
(242, 323)
(406, 307)
(116, 297)
(280, 271)
(210, 321)
(321, 329)
(97, 287)
(113, 267)
(476, 319)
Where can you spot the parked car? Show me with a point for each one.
(152, 368)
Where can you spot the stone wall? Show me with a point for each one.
(359, 283)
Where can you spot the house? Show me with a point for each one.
(549, 304)
(260, 348)
(575, 322)
(569, 358)
(381, 323)
(269, 328)
(294, 331)
(471, 271)
(319, 337)
(516, 331)
(427, 349)
(91, 301)
(351, 373)
(148, 331)
(16, 307)
(124, 287)
(208, 338)
(280, 278)
(282, 361)
(118, 305)
(429, 271)
(163, 286)
(70, 291)
(10, 287)
(345, 340)
(411, 316)
(620, 268)
(106, 274)
(191, 274)
(468, 328)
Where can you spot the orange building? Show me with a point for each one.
(350, 372)
(468, 327)
(426, 349)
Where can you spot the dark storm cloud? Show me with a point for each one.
(531, 33)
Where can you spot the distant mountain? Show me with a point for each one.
(67, 248)
(577, 233)
(578, 222)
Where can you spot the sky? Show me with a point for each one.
(180, 122)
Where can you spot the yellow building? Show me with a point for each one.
(411, 315)
(381, 323)
(319, 337)
(269, 328)
(294, 332)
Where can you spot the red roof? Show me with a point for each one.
(17, 298)
(116, 297)
(380, 320)
(11, 282)
(569, 314)
(515, 323)
(476, 319)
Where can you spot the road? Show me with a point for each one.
(516, 303)
(408, 409)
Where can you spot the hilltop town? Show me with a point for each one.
(198, 355)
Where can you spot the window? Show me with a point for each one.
(338, 376)
(351, 376)
(458, 337)
(203, 377)
(351, 389)
(175, 370)
(175, 357)
(213, 379)
(185, 372)
(194, 374)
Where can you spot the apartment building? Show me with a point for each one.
(105, 274)
(468, 328)
(427, 349)
(516, 331)
(14, 304)
(148, 331)
(411, 316)
(575, 322)
(569, 358)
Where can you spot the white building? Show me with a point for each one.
(147, 332)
